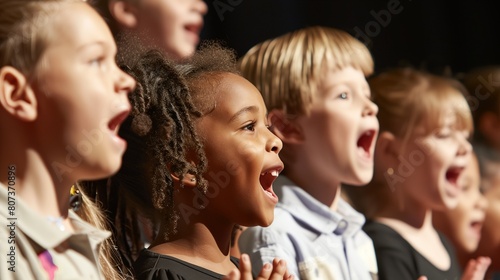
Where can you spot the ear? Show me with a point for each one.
(284, 128)
(188, 181)
(16, 96)
(387, 148)
(124, 13)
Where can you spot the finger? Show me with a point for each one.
(288, 275)
(482, 264)
(469, 270)
(279, 269)
(245, 268)
(265, 272)
(422, 278)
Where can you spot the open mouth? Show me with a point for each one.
(453, 174)
(266, 181)
(194, 31)
(365, 143)
(115, 122)
(476, 227)
(194, 28)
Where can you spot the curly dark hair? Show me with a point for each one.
(203, 73)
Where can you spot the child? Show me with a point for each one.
(172, 26)
(200, 144)
(62, 99)
(489, 245)
(422, 151)
(484, 87)
(314, 86)
(462, 225)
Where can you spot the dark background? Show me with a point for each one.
(433, 35)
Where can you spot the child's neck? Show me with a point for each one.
(34, 183)
(323, 188)
(408, 211)
(204, 245)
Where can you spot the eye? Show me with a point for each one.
(250, 126)
(443, 134)
(342, 95)
(97, 62)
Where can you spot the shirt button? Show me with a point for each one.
(341, 227)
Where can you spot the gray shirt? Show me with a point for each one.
(315, 241)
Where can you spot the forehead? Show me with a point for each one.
(76, 23)
(234, 92)
(342, 76)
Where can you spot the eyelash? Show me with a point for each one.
(443, 135)
(252, 125)
(342, 95)
(97, 61)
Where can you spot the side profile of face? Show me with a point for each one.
(489, 244)
(172, 25)
(462, 225)
(81, 95)
(242, 155)
(432, 163)
(340, 131)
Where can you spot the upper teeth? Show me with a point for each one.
(274, 173)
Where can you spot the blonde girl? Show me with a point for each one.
(62, 99)
(421, 153)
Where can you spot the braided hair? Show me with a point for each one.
(160, 135)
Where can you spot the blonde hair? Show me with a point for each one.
(109, 258)
(410, 99)
(410, 104)
(23, 40)
(287, 69)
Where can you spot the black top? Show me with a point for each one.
(398, 260)
(150, 265)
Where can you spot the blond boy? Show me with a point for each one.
(313, 82)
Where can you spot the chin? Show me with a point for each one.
(108, 169)
(361, 179)
(267, 221)
(450, 203)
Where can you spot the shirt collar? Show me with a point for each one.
(312, 213)
(43, 232)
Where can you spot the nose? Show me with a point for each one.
(274, 144)
(370, 108)
(464, 147)
(201, 7)
(124, 83)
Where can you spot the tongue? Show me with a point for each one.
(364, 142)
(452, 176)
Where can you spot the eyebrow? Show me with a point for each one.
(91, 44)
(250, 109)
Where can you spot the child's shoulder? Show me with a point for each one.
(384, 236)
(151, 265)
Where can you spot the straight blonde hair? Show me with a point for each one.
(287, 69)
